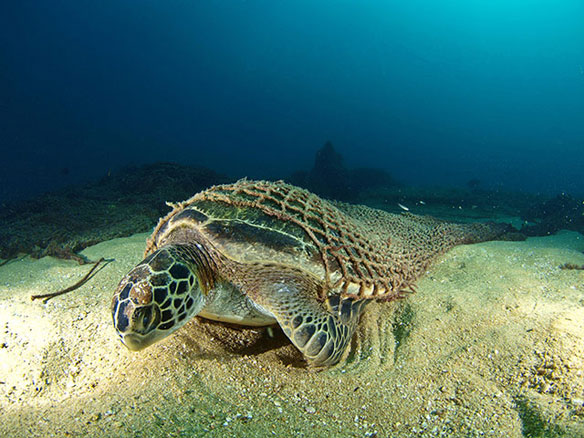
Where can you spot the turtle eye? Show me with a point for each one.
(146, 318)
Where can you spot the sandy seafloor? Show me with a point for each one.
(492, 344)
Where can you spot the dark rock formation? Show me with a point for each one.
(330, 178)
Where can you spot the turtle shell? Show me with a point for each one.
(356, 251)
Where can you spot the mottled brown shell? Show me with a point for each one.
(356, 251)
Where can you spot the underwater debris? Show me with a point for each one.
(85, 279)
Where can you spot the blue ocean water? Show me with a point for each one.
(436, 93)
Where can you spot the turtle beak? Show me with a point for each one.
(133, 342)
(136, 342)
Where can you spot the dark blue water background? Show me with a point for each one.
(436, 92)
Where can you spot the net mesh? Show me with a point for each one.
(365, 252)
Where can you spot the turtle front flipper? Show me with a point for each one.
(322, 331)
(322, 335)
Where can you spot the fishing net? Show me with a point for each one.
(365, 252)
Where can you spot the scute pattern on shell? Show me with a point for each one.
(366, 253)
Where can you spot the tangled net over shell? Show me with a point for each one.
(366, 253)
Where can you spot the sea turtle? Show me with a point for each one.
(257, 253)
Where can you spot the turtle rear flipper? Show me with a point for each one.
(320, 330)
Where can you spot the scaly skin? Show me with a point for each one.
(163, 292)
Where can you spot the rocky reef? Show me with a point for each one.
(130, 201)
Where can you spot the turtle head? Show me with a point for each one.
(156, 298)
